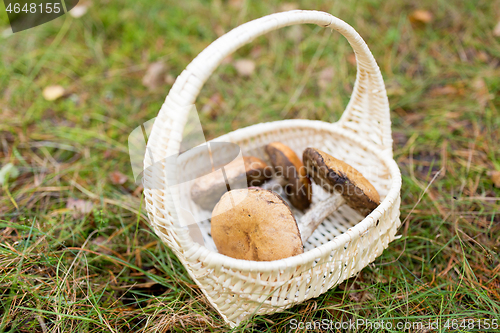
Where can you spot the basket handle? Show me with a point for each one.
(366, 115)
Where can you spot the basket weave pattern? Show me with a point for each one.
(343, 245)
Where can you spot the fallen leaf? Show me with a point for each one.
(325, 77)
(441, 91)
(396, 90)
(256, 51)
(108, 153)
(155, 75)
(117, 178)
(127, 14)
(420, 16)
(79, 206)
(237, 4)
(478, 84)
(169, 79)
(482, 94)
(351, 58)
(8, 171)
(213, 104)
(244, 67)
(79, 10)
(51, 93)
(496, 30)
(495, 178)
(483, 56)
(8, 231)
(7, 93)
(348, 87)
(138, 190)
(227, 60)
(100, 242)
(159, 43)
(219, 30)
(289, 6)
(295, 33)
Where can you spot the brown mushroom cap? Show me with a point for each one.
(289, 166)
(257, 170)
(261, 227)
(333, 174)
(207, 190)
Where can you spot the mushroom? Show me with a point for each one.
(291, 171)
(260, 227)
(207, 190)
(334, 175)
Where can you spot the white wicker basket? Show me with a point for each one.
(344, 244)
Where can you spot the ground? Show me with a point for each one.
(76, 251)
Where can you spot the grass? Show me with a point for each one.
(100, 267)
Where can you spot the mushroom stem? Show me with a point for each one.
(335, 176)
(317, 214)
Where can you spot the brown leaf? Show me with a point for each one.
(495, 178)
(108, 153)
(138, 190)
(348, 87)
(483, 56)
(394, 88)
(395, 91)
(7, 231)
(351, 58)
(169, 79)
(420, 16)
(100, 242)
(446, 90)
(227, 60)
(245, 67)
(496, 30)
(289, 6)
(51, 93)
(295, 33)
(155, 75)
(213, 104)
(482, 95)
(256, 51)
(118, 178)
(219, 30)
(79, 206)
(478, 84)
(236, 4)
(325, 77)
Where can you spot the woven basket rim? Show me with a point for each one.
(217, 259)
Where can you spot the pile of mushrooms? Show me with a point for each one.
(262, 226)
